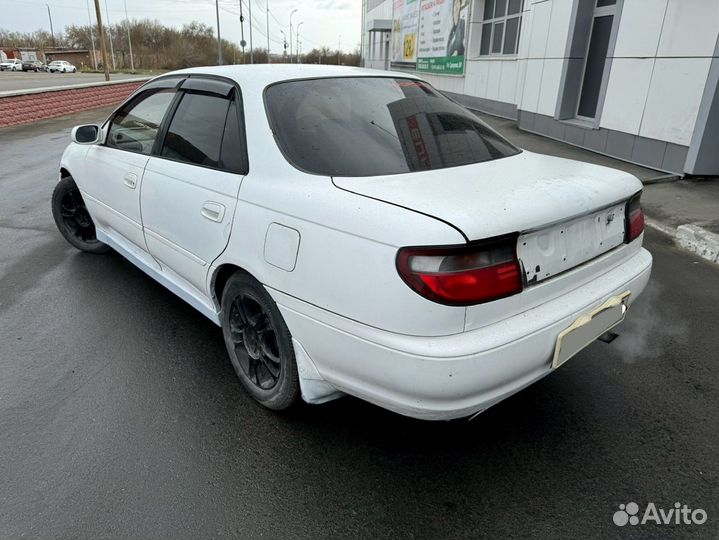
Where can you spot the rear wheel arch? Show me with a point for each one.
(220, 278)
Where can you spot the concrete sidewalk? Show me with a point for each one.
(687, 210)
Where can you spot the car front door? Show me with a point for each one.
(113, 171)
(190, 187)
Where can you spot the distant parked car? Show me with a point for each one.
(33, 65)
(61, 66)
(13, 64)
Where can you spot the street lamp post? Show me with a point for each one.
(109, 35)
(252, 48)
(291, 13)
(129, 39)
(267, 5)
(297, 41)
(284, 43)
(220, 60)
(52, 34)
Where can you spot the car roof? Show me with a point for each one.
(258, 76)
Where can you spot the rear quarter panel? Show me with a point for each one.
(348, 244)
(346, 257)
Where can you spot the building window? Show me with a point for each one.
(501, 24)
(596, 58)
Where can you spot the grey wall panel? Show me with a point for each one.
(556, 129)
(676, 156)
(620, 144)
(576, 134)
(649, 151)
(526, 120)
(596, 139)
(541, 123)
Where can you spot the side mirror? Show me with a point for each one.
(88, 134)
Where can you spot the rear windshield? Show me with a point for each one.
(370, 126)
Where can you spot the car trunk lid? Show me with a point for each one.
(565, 212)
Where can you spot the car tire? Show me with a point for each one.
(72, 218)
(74, 70)
(259, 343)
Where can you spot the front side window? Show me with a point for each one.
(196, 130)
(136, 126)
(501, 24)
(369, 126)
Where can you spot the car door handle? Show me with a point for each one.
(213, 211)
(130, 180)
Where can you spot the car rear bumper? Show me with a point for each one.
(441, 378)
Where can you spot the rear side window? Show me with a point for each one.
(196, 131)
(231, 156)
(136, 126)
(369, 126)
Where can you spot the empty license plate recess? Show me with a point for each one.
(552, 250)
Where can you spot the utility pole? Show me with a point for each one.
(92, 38)
(220, 61)
(284, 44)
(267, 5)
(297, 41)
(242, 33)
(291, 13)
(109, 34)
(339, 48)
(52, 34)
(252, 50)
(101, 37)
(129, 39)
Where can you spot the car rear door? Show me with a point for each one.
(190, 187)
(112, 176)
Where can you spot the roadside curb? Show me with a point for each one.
(693, 238)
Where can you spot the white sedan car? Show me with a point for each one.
(14, 64)
(355, 231)
(61, 66)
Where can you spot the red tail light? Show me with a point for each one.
(634, 219)
(463, 275)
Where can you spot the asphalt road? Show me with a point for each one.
(121, 417)
(11, 81)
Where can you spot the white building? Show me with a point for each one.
(633, 79)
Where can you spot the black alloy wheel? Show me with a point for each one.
(259, 343)
(73, 219)
(255, 342)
